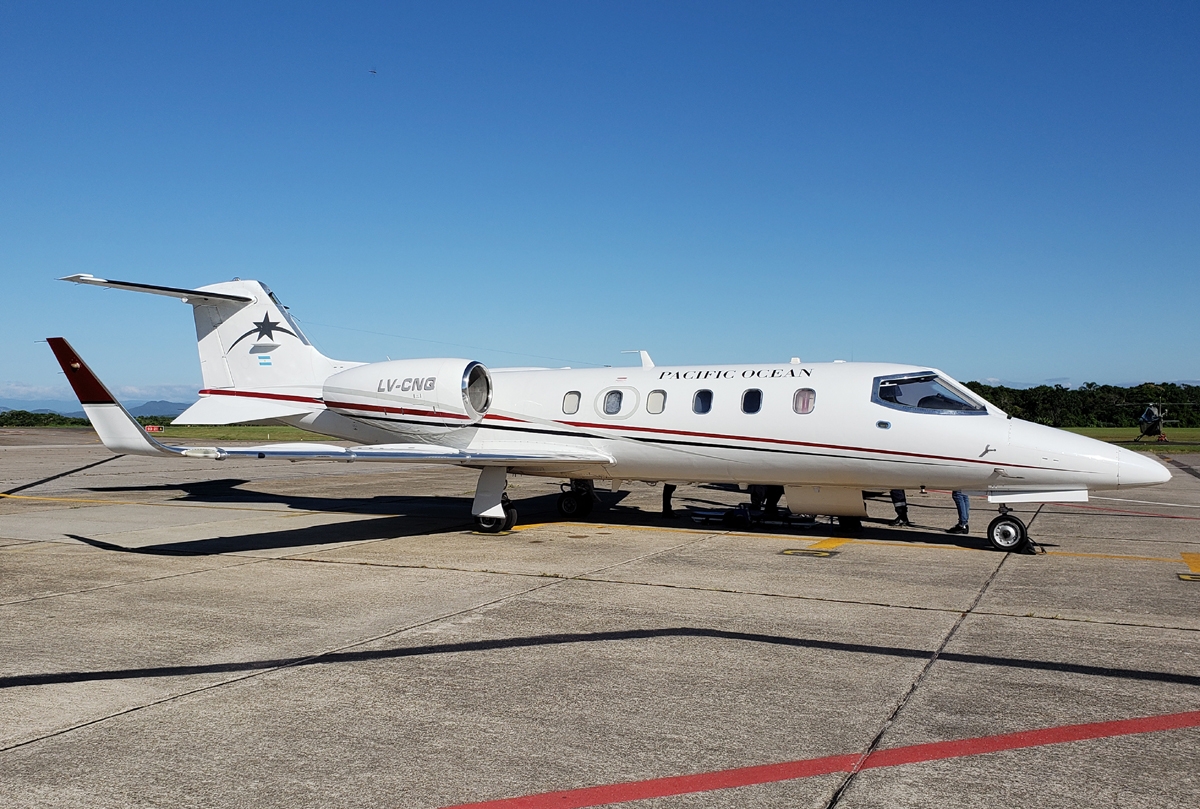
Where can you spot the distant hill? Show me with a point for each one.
(72, 410)
(159, 408)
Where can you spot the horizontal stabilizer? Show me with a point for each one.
(196, 297)
(237, 409)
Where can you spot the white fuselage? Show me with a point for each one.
(847, 440)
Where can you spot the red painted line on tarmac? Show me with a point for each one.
(807, 768)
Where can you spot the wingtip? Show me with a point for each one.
(87, 386)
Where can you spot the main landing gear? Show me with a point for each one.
(492, 509)
(576, 502)
(494, 525)
(1007, 533)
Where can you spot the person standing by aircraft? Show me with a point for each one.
(900, 503)
(963, 504)
(668, 492)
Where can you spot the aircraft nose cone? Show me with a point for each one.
(1136, 469)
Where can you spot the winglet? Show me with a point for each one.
(118, 430)
(86, 385)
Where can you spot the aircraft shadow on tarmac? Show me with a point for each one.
(402, 516)
(229, 491)
(561, 639)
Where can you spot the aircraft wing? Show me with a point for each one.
(401, 453)
(121, 432)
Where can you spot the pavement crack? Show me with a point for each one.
(299, 661)
(249, 561)
(836, 797)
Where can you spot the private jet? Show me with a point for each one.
(826, 432)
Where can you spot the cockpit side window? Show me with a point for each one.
(925, 393)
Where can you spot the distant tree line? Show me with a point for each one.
(1092, 405)
(23, 418)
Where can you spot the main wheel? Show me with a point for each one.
(510, 516)
(850, 525)
(491, 525)
(574, 505)
(1007, 533)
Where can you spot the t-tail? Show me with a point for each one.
(255, 360)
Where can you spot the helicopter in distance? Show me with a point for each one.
(1154, 418)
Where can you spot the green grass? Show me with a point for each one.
(240, 433)
(1180, 437)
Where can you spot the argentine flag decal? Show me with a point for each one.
(264, 360)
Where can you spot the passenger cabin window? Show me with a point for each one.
(924, 393)
(571, 403)
(656, 402)
(612, 402)
(752, 401)
(702, 401)
(804, 401)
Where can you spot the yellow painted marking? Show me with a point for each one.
(1192, 560)
(835, 542)
(828, 544)
(924, 546)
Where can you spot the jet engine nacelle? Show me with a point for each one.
(427, 391)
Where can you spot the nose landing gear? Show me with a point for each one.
(1007, 533)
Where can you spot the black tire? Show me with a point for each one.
(737, 518)
(574, 505)
(1007, 534)
(510, 516)
(850, 525)
(490, 525)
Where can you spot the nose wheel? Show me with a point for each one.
(1007, 533)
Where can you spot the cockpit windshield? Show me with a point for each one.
(924, 393)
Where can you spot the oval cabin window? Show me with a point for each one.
(656, 402)
(702, 401)
(571, 403)
(804, 401)
(752, 401)
(612, 402)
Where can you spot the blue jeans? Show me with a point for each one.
(963, 504)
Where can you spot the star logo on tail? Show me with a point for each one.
(264, 328)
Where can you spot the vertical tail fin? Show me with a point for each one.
(256, 345)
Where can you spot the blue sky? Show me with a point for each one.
(1006, 191)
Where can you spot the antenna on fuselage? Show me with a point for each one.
(645, 355)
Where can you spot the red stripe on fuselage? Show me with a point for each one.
(725, 437)
(249, 394)
(609, 428)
